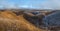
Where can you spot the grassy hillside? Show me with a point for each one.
(9, 21)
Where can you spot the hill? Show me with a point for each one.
(9, 21)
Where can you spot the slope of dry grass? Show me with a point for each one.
(10, 22)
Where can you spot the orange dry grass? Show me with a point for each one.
(10, 22)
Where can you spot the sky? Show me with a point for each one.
(33, 4)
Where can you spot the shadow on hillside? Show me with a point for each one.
(25, 20)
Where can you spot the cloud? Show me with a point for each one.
(8, 5)
(51, 4)
(37, 4)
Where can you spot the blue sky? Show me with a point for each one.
(34, 4)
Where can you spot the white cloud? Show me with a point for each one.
(7, 4)
(48, 4)
(51, 4)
